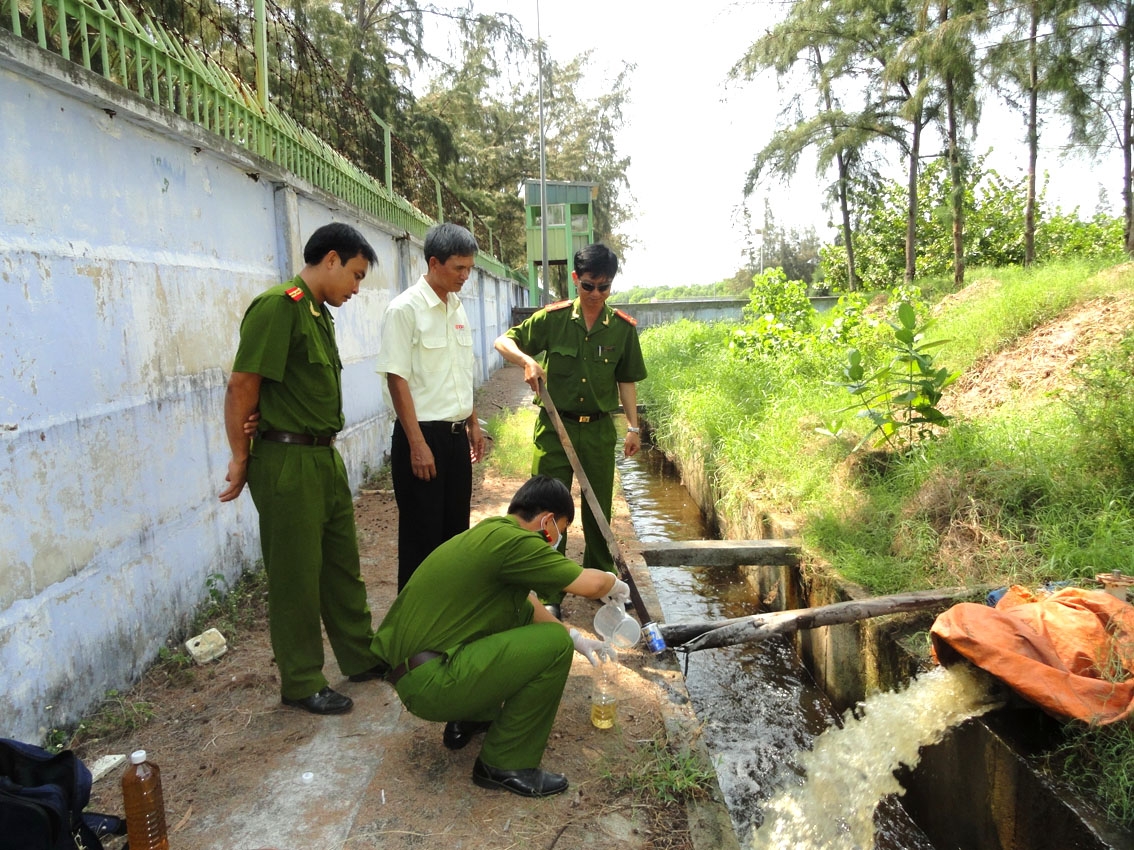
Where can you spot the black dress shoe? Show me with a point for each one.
(378, 671)
(459, 732)
(529, 782)
(554, 611)
(325, 701)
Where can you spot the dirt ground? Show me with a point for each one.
(219, 734)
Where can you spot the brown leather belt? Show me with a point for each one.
(451, 427)
(411, 664)
(584, 417)
(296, 439)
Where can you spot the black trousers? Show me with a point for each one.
(430, 512)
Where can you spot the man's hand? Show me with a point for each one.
(237, 476)
(533, 374)
(632, 444)
(591, 649)
(422, 462)
(252, 424)
(619, 594)
(477, 444)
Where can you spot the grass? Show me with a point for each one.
(1040, 489)
(1098, 762)
(660, 773)
(511, 432)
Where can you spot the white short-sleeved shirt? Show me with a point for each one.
(429, 343)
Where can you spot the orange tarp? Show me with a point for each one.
(1071, 652)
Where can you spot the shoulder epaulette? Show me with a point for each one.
(558, 305)
(626, 317)
(294, 293)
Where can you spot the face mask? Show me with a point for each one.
(547, 536)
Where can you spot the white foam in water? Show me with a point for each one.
(851, 769)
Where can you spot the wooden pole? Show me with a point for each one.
(593, 504)
(694, 637)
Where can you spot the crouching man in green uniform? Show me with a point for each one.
(288, 369)
(470, 645)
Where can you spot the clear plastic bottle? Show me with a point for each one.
(604, 695)
(145, 808)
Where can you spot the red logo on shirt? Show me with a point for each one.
(459, 327)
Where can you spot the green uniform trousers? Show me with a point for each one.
(514, 679)
(594, 443)
(310, 548)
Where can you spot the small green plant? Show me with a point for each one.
(118, 715)
(381, 478)
(232, 609)
(900, 399)
(664, 774)
(56, 740)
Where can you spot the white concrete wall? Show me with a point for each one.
(130, 245)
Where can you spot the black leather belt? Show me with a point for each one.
(411, 664)
(451, 427)
(584, 417)
(296, 439)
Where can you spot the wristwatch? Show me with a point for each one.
(632, 429)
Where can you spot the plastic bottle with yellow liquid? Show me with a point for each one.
(604, 695)
(144, 804)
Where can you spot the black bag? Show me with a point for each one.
(42, 798)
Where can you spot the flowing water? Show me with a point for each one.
(764, 718)
(851, 768)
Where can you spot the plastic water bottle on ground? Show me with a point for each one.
(145, 807)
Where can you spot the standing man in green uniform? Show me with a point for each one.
(470, 644)
(288, 369)
(590, 357)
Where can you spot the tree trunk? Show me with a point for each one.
(848, 234)
(1127, 140)
(911, 195)
(694, 637)
(957, 188)
(1033, 140)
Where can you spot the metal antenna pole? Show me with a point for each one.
(542, 165)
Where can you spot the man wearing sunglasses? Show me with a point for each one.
(591, 359)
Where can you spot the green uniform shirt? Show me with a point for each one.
(291, 344)
(472, 585)
(584, 368)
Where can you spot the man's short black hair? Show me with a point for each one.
(449, 240)
(596, 258)
(543, 493)
(341, 238)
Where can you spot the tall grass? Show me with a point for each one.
(511, 433)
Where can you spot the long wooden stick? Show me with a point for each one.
(593, 504)
(710, 635)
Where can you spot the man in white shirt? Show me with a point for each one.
(428, 360)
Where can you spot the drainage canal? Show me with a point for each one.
(758, 705)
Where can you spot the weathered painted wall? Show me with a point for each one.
(130, 245)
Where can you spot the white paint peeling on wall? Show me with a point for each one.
(120, 304)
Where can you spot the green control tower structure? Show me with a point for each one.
(570, 226)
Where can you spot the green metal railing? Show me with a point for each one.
(127, 46)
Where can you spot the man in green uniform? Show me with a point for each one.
(590, 357)
(469, 644)
(288, 370)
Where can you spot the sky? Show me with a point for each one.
(691, 136)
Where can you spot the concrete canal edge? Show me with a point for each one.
(710, 825)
